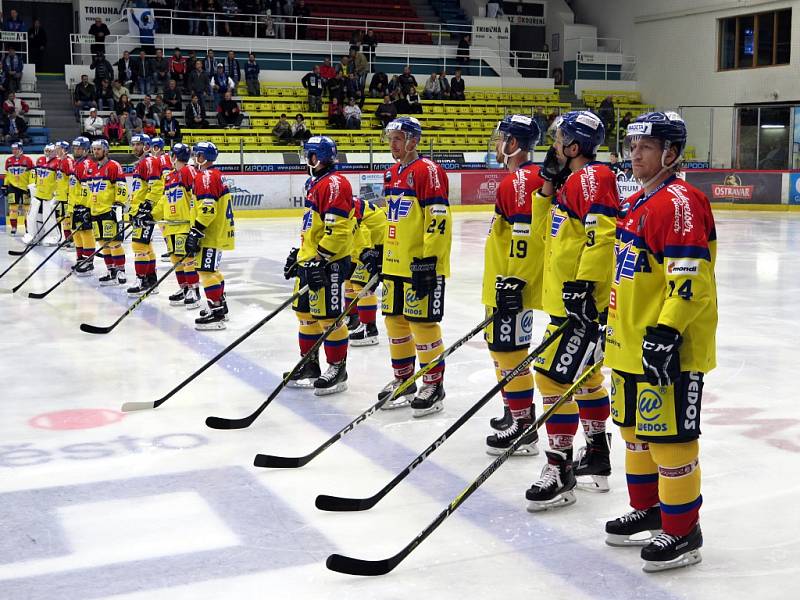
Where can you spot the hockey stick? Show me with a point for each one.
(223, 423)
(335, 503)
(292, 462)
(357, 566)
(22, 253)
(86, 328)
(41, 264)
(35, 242)
(131, 406)
(38, 296)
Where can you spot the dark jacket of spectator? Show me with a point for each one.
(336, 87)
(229, 112)
(314, 83)
(302, 12)
(196, 115)
(84, 92)
(406, 80)
(126, 72)
(170, 130)
(251, 71)
(457, 88)
(379, 84)
(462, 53)
(233, 69)
(14, 22)
(386, 112)
(37, 42)
(105, 96)
(102, 69)
(123, 106)
(199, 82)
(173, 98)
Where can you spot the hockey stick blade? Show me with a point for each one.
(280, 462)
(132, 406)
(357, 566)
(223, 423)
(87, 328)
(16, 252)
(337, 503)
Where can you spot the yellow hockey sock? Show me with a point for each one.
(401, 346)
(429, 345)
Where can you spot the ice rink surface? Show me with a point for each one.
(153, 505)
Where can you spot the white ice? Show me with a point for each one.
(154, 505)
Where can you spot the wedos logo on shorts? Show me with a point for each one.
(397, 209)
(411, 298)
(650, 403)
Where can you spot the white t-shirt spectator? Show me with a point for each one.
(94, 125)
(352, 111)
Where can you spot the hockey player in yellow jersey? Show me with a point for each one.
(512, 278)
(147, 188)
(78, 206)
(64, 166)
(366, 257)
(42, 189)
(579, 256)
(660, 342)
(108, 194)
(19, 169)
(416, 262)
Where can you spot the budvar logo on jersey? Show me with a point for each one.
(397, 209)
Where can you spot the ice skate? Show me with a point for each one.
(402, 400)
(428, 399)
(332, 381)
(593, 465)
(554, 488)
(667, 551)
(627, 530)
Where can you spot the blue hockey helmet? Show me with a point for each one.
(63, 144)
(520, 127)
(17, 146)
(410, 126)
(81, 142)
(668, 127)
(207, 149)
(580, 127)
(181, 152)
(157, 142)
(100, 143)
(140, 138)
(321, 146)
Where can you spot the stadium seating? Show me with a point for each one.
(625, 101)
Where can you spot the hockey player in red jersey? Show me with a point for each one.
(19, 170)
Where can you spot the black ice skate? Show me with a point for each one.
(667, 551)
(13, 231)
(145, 284)
(428, 399)
(177, 298)
(84, 269)
(555, 486)
(166, 258)
(504, 422)
(403, 400)
(213, 319)
(366, 334)
(306, 376)
(499, 442)
(204, 312)
(332, 381)
(593, 465)
(113, 277)
(626, 530)
(352, 321)
(191, 300)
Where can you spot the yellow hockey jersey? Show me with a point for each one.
(418, 213)
(18, 172)
(46, 172)
(107, 187)
(515, 245)
(580, 243)
(177, 207)
(63, 174)
(665, 255)
(371, 226)
(79, 183)
(144, 174)
(214, 210)
(329, 224)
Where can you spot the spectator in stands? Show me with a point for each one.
(172, 96)
(268, 30)
(221, 84)
(300, 132)
(344, 66)
(119, 90)
(208, 8)
(335, 114)
(123, 106)
(84, 96)
(302, 13)
(233, 69)
(369, 44)
(14, 111)
(160, 72)
(195, 8)
(229, 113)
(199, 82)
(413, 105)
(170, 128)
(230, 26)
(282, 130)
(3, 81)
(355, 40)
(114, 132)
(394, 85)
(378, 86)
(606, 112)
(210, 63)
(622, 129)
(386, 112)
(493, 9)
(148, 112)
(177, 68)
(37, 43)
(93, 126)
(457, 87)
(336, 87)
(12, 65)
(251, 71)
(105, 96)
(100, 32)
(360, 66)
(353, 88)
(315, 86)
(147, 30)
(444, 85)
(102, 69)
(406, 81)
(14, 24)
(126, 71)
(352, 115)
(462, 52)
(196, 114)
(613, 162)
(433, 89)
(144, 73)
(541, 121)
(326, 70)
(133, 125)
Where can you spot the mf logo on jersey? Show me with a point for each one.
(397, 209)
(307, 217)
(558, 220)
(98, 185)
(629, 262)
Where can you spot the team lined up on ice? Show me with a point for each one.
(633, 279)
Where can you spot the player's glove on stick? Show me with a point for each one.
(316, 278)
(508, 294)
(144, 216)
(578, 301)
(552, 171)
(660, 357)
(193, 241)
(83, 216)
(423, 276)
(290, 268)
(369, 258)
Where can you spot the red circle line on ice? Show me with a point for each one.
(76, 418)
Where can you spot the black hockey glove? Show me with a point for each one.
(508, 294)
(144, 216)
(552, 171)
(423, 276)
(82, 216)
(660, 358)
(369, 258)
(315, 275)
(579, 301)
(290, 268)
(193, 241)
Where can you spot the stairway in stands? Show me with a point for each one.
(446, 12)
(57, 104)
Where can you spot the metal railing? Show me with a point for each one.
(590, 65)
(16, 39)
